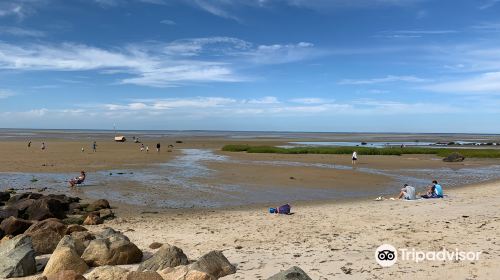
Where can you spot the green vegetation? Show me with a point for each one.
(389, 151)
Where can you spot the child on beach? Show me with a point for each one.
(354, 157)
(142, 147)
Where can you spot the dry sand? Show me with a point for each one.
(327, 238)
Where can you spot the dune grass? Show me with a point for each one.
(389, 151)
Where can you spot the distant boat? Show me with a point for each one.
(120, 139)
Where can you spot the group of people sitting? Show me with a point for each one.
(433, 191)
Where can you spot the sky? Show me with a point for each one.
(261, 65)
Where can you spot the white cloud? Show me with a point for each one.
(168, 22)
(310, 100)
(484, 83)
(22, 32)
(488, 4)
(212, 59)
(413, 33)
(387, 79)
(6, 94)
(264, 100)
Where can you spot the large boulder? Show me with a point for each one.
(15, 226)
(166, 256)
(98, 205)
(17, 257)
(46, 234)
(183, 272)
(108, 273)
(21, 196)
(293, 273)
(214, 263)
(21, 205)
(80, 239)
(45, 208)
(8, 212)
(454, 157)
(4, 196)
(65, 258)
(64, 275)
(111, 248)
(143, 275)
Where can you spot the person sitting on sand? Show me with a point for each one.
(407, 192)
(434, 191)
(78, 180)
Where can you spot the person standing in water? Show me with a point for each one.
(354, 157)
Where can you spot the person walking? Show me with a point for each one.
(29, 144)
(94, 146)
(142, 147)
(43, 147)
(354, 157)
(158, 147)
(147, 149)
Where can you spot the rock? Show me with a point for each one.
(45, 235)
(4, 196)
(27, 195)
(45, 208)
(214, 263)
(106, 214)
(8, 212)
(182, 272)
(93, 219)
(74, 228)
(293, 273)
(21, 205)
(65, 258)
(98, 205)
(143, 275)
(82, 240)
(454, 157)
(17, 257)
(167, 256)
(65, 275)
(108, 273)
(155, 245)
(112, 234)
(15, 226)
(113, 250)
(74, 219)
(2, 234)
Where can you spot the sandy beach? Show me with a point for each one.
(334, 240)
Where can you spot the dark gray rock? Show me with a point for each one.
(293, 273)
(214, 263)
(17, 257)
(454, 157)
(167, 256)
(4, 196)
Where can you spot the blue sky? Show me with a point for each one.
(299, 65)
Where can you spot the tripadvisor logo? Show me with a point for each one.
(387, 255)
